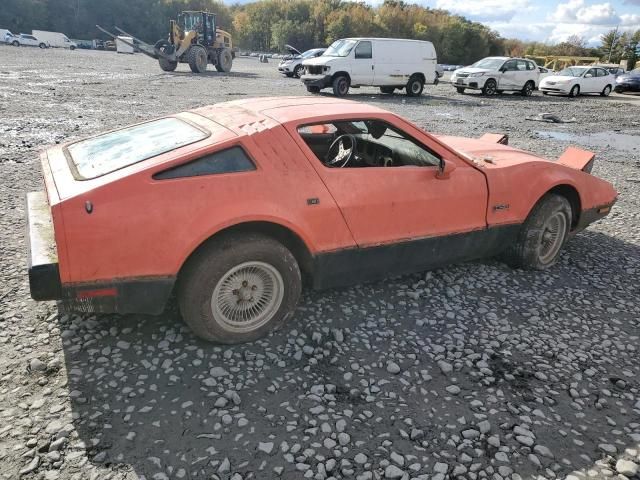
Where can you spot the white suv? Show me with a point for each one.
(494, 75)
(24, 39)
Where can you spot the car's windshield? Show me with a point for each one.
(340, 48)
(489, 63)
(309, 53)
(572, 72)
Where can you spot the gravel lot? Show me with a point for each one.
(473, 371)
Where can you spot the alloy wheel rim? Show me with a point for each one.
(415, 87)
(553, 233)
(491, 88)
(247, 296)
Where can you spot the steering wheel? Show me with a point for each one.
(341, 151)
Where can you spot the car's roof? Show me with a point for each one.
(386, 39)
(250, 115)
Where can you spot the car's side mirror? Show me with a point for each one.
(588, 75)
(445, 169)
(503, 69)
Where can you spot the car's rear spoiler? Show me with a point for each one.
(577, 158)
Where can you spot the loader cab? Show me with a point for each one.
(202, 22)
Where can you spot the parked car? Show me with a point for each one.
(494, 75)
(26, 40)
(544, 72)
(54, 39)
(6, 36)
(388, 63)
(574, 81)
(291, 66)
(333, 191)
(629, 82)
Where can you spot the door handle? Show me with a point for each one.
(371, 67)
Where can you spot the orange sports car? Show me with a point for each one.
(232, 205)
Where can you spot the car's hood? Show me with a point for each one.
(321, 60)
(472, 70)
(559, 78)
(292, 50)
(487, 153)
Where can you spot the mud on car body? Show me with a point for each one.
(234, 205)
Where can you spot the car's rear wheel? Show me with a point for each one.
(490, 87)
(238, 288)
(414, 87)
(528, 88)
(542, 235)
(575, 91)
(340, 86)
(606, 91)
(460, 89)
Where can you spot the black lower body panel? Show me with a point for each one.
(147, 296)
(346, 267)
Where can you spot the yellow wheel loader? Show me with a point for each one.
(194, 39)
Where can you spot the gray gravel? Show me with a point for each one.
(473, 371)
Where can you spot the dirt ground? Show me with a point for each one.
(473, 371)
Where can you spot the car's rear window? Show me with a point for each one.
(115, 150)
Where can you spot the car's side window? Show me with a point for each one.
(530, 66)
(366, 143)
(230, 160)
(363, 50)
(602, 72)
(509, 66)
(591, 71)
(521, 65)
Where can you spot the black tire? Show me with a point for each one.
(167, 65)
(606, 91)
(341, 86)
(460, 89)
(313, 89)
(528, 88)
(72, 48)
(213, 266)
(529, 249)
(414, 87)
(387, 90)
(197, 58)
(15, 43)
(575, 91)
(42, 45)
(225, 61)
(297, 72)
(490, 87)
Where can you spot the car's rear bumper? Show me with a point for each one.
(131, 295)
(44, 277)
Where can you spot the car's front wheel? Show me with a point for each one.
(542, 235)
(460, 89)
(297, 72)
(42, 45)
(340, 86)
(575, 91)
(238, 288)
(490, 87)
(15, 43)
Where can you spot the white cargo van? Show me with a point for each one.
(54, 39)
(122, 47)
(388, 63)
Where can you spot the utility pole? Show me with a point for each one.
(613, 42)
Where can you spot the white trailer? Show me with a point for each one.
(54, 39)
(122, 47)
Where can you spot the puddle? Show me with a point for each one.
(618, 141)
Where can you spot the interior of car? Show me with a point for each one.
(365, 143)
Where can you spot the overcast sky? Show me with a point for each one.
(547, 20)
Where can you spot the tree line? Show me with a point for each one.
(267, 25)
